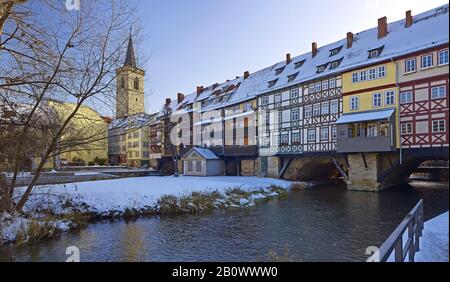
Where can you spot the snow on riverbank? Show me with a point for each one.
(434, 242)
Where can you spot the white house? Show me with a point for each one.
(202, 162)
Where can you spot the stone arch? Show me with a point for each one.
(311, 168)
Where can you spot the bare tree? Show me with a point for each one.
(66, 56)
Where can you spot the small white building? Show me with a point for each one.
(202, 162)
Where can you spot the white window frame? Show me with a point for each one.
(334, 107)
(355, 77)
(332, 83)
(372, 130)
(440, 63)
(422, 65)
(354, 103)
(377, 100)
(294, 93)
(265, 100)
(198, 166)
(325, 85)
(372, 74)
(325, 108)
(438, 123)
(295, 137)
(334, 132)
(318, 87)
(308, 111)
(410, 65)
(311, 134)
(441, 92)
(407, 128)
(387, 97)
(316, 110)
(324, 133)
(284, 139)
(381, 71)
(363, 75)
(406, 97)
(277, 98)
(295, 114)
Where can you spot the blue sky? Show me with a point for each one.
(200, 42)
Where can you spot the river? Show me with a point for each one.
(324, 223)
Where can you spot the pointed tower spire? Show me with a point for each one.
(130, 59)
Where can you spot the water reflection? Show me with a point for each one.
(326, 223)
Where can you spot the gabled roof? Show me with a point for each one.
(205, 153)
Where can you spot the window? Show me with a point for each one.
(354, 103)
(279, 70)
(248, 106)
(439, 125)
(308, 111)
(334, 132)
(295, 138)
(299, 64)
(316, 110)
(372, 74)
(426, 61)
(324, 133)
(273, 82)
(335, 64)
(280, 117)
(335, 51)
(355, 77)
(375, 52)
(390, 97)
(438, 92)
(407, 128)
(376, 100)
(122, 82)
(295, 115)
(294, 93)
(363, 76)
(443, 57)
(277, 97)
(325, 109)
(267, 118)
(372, 130)
(318, 86)
(381, 71)
(325, 84)
(311, 134)
(292, 77)
(410, 65)
(321, 68)
(334, 107)
(190, 165)
(332, 82)
(384, 128)
(284, 139)
(136, 135)
(198, 165)
(265, 100)
(311, 88)
(406, 97)
(136, 83)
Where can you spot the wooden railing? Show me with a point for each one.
(413, 223)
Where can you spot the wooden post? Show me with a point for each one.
(411, 248)
(399, 250)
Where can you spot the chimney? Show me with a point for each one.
(288, 58)
(199, 89)
(382, 27)
(246, 74)
(409, 19)
(349, 40)
(168, 101)
(314, 49)
(180, 97)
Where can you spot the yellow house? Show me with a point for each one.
(370, 110)
(85, 140)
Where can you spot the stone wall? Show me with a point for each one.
(247, 167)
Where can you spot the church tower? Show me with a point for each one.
(130, 86)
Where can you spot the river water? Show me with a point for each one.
(324, 223)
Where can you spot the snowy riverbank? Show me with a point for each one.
(135, 196)
(434, 242)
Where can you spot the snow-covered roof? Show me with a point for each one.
(204, 152)
(131, 121)
(429, 29)
(365, 116)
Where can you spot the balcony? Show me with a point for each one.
(364, 144)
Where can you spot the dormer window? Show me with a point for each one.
(335, 51)
(335, 64)
(299, 64)
(279, 70)
(292, 77)
(321, 68)
(375, 52)
(273, 82)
